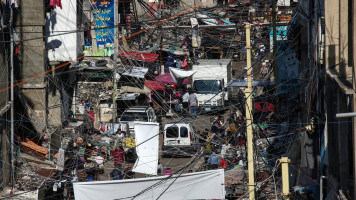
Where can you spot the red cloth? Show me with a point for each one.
(142, 56)
(152, 85)
(91, 114)
(54, 3)
(118, 156)
(168, 172)
(184, 64)
(223, 163)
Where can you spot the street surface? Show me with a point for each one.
(200, 123)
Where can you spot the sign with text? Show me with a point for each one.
(103, 12)
(281, 34)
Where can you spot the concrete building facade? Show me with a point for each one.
(323, 35)
(4, 109)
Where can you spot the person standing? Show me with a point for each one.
(116, 174)
(87, 105)
(92, 115)
(119, 157)
(81, 107)
(168, 172)
(224, 149)
(213, 161)
(218, 126)
(119, 136)
(185, 100)
(193, 103)
(159, 169)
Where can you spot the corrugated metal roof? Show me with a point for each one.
(142, 56)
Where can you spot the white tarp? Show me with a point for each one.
(178, 75)
(138, 72)
(199, 185)
(194, 22)
(146, 138)
(62, 43)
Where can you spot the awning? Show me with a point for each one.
(167, 79)
(128, 97)
(152, 85)
(178, 75)
(199, 185)
(138, 72)
(124, 89)
(243, 83)
(142, 56)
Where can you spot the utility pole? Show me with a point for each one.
(285, 177)
(161, 38)
(12, 95)
(114, 95)
(275, 51)
(249, 117)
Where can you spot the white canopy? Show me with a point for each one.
(146, 136)
(178, 75)
(199, 185)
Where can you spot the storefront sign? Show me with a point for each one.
(104, 17)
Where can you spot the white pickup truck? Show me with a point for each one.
(210, 82)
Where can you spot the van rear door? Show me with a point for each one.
(172, 135)
(185, 136)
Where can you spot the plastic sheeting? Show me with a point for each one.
(152, 85)
(167, 79)
(178, 75)
(199, 185)
(63, 47)
(243, 83)
(147, 136)
(138, 72)
(141, 56)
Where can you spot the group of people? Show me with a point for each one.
(96, 149)
(189, 101)
(235, 131)
(228, 142)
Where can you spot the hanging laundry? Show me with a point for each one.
(54, 3)
(60, 161)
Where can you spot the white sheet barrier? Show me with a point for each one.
(146, 138)
(199, 185)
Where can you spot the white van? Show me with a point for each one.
(179, 139)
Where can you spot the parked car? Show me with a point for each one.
(137, 114)
(179, 139)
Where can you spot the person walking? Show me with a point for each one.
(193, 103)
(185, 100)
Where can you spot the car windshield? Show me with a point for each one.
(172, 132)
(134, 116)
(207, 86)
